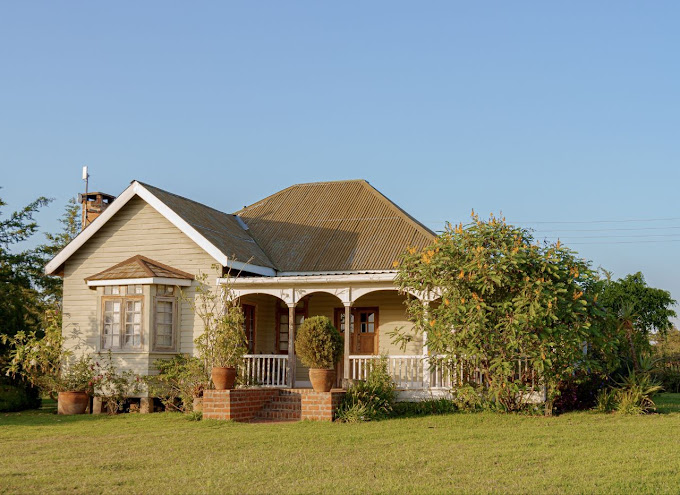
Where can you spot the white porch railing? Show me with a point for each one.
(419, 372)
(265, 370)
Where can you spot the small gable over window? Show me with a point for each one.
(140, 270)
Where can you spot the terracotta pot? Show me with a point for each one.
(322, 380)
(223, 378)
(72, 402)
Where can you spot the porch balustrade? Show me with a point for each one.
(265, 370)
(418, 372)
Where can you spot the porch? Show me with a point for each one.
(365, 307)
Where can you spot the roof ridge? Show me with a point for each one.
(394, 206)
(184, 198)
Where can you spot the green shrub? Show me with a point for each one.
(634, 394)
(425, 408)
(668, 374)
(17, 396)
(317, 343)
(372, 399)
(115, 387)
(179, 381)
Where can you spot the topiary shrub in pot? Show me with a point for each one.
(319, 346)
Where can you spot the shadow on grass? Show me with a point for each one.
(668, 403)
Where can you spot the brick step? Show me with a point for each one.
(282, 407)
(279, 415)
(280, 400)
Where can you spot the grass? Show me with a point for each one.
(461, 453)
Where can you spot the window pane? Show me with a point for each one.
(164, 323)
(134, 289)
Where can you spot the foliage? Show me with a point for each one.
(424, 408)
(21, 274)
(317, 343)
(76, 375)
(38, 358)
(667, 349)
(581, 391)
(634, 393)
(17, 396)
(223, 341)
(71, 227)
(115, 387)
(369, 400)
(508, 299)
(638, 312)
(179, 380)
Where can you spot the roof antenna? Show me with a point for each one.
(86, 177)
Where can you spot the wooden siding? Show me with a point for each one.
(135, 229)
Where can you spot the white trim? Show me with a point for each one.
(339, 272)
(312, 279)
(182, 282)
(136, 189)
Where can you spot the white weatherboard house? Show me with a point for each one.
(323, 248)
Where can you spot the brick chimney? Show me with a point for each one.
(93, 205)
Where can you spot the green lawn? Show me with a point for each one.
(458, 453)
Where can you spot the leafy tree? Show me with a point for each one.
(504, 299)
(71, 227)
(21, 273)
(638, 312)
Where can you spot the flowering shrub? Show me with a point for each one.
(115, 387)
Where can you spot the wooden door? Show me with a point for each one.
(363, 329)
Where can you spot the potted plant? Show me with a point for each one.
(223, 341)
(319, 346)
(44, 362)
(74, 385)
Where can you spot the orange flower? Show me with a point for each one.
(433, 323)
(446, 302)
(395, 264)
(461, 274)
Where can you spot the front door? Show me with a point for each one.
(363, 329)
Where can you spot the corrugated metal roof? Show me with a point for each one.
(140, 267)
(332, 226)
(221, 229)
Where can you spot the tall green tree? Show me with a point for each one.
(21, 271)
(638, 312)
(503, 298)
(71, 227)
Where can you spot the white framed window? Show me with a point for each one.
(122, 317)
(165, 318)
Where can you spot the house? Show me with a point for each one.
(324, 248)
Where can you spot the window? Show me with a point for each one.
(283, 333)
(164, 318)
(122, 308)
(249, 326)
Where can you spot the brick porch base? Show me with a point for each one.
(246, 404)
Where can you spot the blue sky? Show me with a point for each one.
(549, 112)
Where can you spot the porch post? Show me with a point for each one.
(348, 336)
(291, 345)
(426, 359)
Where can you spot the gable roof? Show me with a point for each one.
(140, 267)
(332, 226)
(320, 227)
(219, 234)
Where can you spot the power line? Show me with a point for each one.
(610, 236)
(609, 230)
(544, 222)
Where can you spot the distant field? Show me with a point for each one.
(458, 453)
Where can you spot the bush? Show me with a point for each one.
(634, 394)
(115, 387)
(424, 408)
(178, 382)
(369, 400)
(668, 374)
(317, 343)
(17, 396)
(581, 392)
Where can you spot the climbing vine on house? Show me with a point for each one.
(502, 297)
